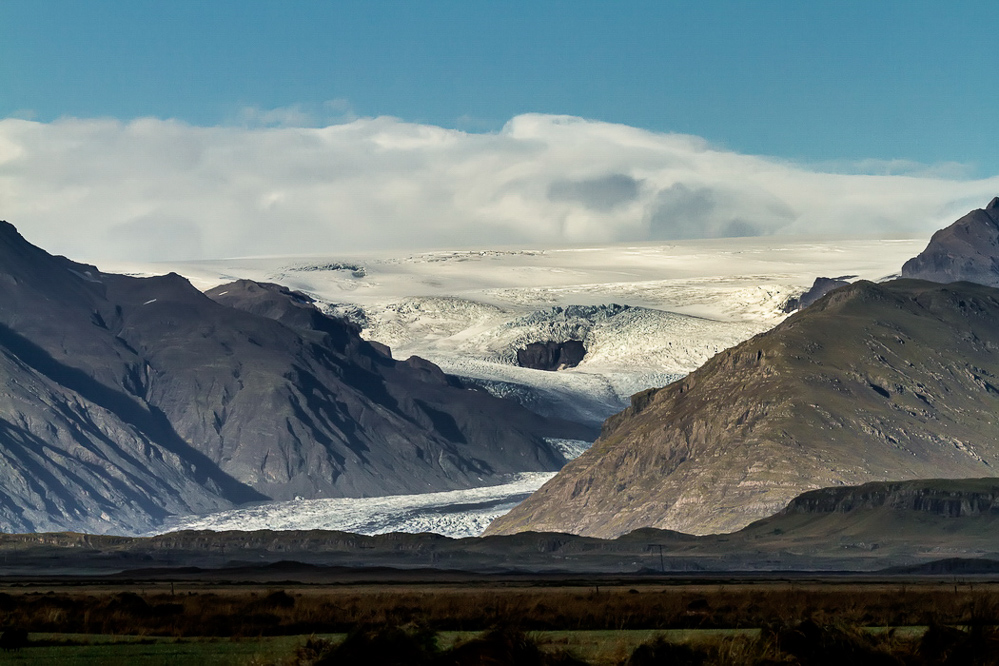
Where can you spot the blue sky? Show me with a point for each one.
(809, 81)
(196, 129)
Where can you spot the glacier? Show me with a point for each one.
(455, 513)
(648, 314)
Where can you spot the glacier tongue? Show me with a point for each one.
(456, 513)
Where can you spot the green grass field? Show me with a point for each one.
(596, 647)
(72, 649)
(602, 647)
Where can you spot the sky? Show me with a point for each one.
(170, 130)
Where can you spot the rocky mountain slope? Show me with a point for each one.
(123, 400)
(820, 287)
(967, 250)
(858, 528)
(873, 382)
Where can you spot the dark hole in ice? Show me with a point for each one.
(551, 355)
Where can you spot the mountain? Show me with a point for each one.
(470, 312)
(874, 381)
(967, 250)
(919, 525)
(126, 399)
(820, 287)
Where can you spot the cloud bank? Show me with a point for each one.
(163, 190)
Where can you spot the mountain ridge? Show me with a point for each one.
(127, 399)
(897, 380)
(965, 251)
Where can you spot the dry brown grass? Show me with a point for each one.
(252, 611)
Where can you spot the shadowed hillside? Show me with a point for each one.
(128, 399)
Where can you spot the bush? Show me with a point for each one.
(502, 647)
(13, 639)
(277, 599)
(828, 645)
(385, 646)
(314, 650)
(661, 651)
(948, 646)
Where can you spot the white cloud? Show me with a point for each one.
(158, 189)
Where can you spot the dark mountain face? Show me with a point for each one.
(127, 399)
(967, 250)
(872, 382)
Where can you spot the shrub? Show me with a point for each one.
(502, 647)
(277, 599)
(13, 639)
(661, 651)
(314, 650)
(948, 646)
(828, 645)
(385, 646)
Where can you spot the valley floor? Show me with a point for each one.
(600, 621)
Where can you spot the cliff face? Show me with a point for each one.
(967, 250)
(932, 497)
(872, 382)
(126, 399)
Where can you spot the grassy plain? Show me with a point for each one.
(594, 647)
(74, 649)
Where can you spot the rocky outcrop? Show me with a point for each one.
(551, 355)
(936, 497)
(125, 400)
(873, 382)
(967, 250)
(820, 287)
